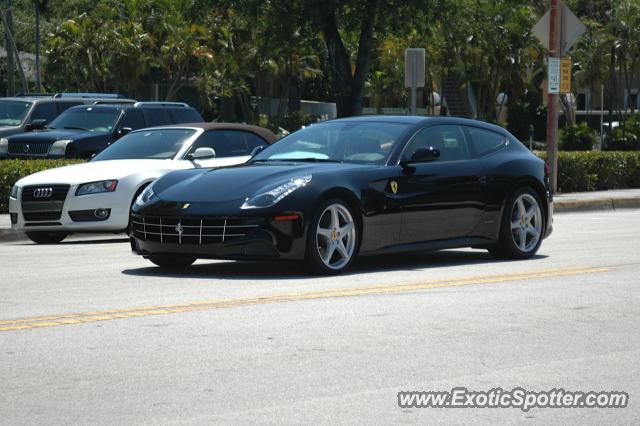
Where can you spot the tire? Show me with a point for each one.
(333, 238)
(172, 262)
(41, 237)
(522, 226)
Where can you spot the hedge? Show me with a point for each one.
(597, 170)
(13, 170)
(577, 171)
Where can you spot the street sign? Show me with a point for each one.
(571, 30)
(565, 75)
(414, 63)
(554, 75)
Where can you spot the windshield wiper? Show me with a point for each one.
(74, 128)
(313, 160)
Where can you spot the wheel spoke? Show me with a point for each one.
(521, 210)
(522, 236)
(515, 224)
(342, 250)
(346, 229)
(335, 221)
(325, 233)
(532, 211)
(328, 254)
(533, 231)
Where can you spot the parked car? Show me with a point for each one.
(83, 131)
(349, 187)
(33, 111)
(96, 196)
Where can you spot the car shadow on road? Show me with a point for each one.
(79, 242)
(283, 270)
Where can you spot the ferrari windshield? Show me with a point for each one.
(86, 118)
(159, 144)
(12, 112)
(342, 141)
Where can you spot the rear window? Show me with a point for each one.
(486, 141)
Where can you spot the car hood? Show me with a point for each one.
(53, 135)
(239, 182)
(98, 170)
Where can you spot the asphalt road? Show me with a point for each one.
(90, 334)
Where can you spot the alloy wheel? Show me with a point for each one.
(336, 236)
(526, 222)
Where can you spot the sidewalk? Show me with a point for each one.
(562, 203)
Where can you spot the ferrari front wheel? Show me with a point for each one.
(332, 240)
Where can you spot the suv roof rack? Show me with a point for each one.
(34, 95)
(89, 95)
(127, 102)
(173, 104)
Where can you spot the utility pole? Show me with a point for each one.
(11, 68)
(553, 104)
(37, 11)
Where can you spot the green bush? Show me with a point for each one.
(579, 137)
(597, 170)
(13, 170)
(627, 136)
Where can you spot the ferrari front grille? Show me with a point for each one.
(192, 230)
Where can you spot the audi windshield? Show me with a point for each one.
(161, 144)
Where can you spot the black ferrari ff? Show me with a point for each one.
(357, 186)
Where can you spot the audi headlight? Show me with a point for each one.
(146, 197)
(97, 187)
(273, 196)
(14, 192)
(59, 148)
(4, 146)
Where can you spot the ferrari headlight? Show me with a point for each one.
(14, 192)
(59, 148)
(4, 146)
(146, 197)
(273, 196)
(97, 187)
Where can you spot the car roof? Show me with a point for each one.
(266, 134)
(418, 121)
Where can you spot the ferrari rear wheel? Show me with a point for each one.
(333, 238)
(522, 226)
(172, 262)
(46, 237)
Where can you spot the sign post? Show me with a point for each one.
(414, 72)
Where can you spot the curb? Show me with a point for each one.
(568, 206)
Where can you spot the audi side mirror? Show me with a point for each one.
(257, 150)
(36, 124)
(202, 154)
(120, 133)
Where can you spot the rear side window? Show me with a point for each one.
(186, 115)
(156, 117)
(254, 141)
(132, 119)
(226, 143)
(485, 141)
(46, 110)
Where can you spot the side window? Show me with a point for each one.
(450, 140)
(254, 141)
(63, 106)
(226, 143)
(132, 119)
(46, 110)
(486, 141)
(156, 117)
(186, 115)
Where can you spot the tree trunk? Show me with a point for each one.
(347, 85)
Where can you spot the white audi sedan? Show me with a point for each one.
(96, 196)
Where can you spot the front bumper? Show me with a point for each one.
(75, 214)
(218, 237)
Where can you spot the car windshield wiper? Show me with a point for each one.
(74, 128)
(311, 160)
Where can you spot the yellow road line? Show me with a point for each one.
(108, 315)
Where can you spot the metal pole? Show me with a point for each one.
(601, 116)
(37, 11)
(555, 19)
(414, 82)
(7, 20)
